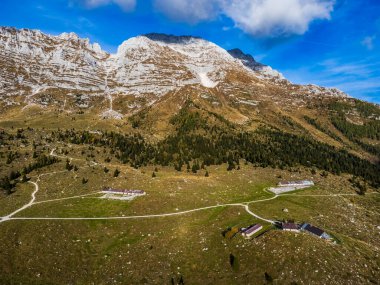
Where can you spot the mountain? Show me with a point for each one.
(153, 78)
(150, 65)
(204, 133)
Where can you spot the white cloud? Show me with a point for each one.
(268, 18)
(188, 11)
(368, 42)
(276, 17)
(126, 5)
(255, 17)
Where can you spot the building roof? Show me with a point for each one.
(290, 226)
(300, 182)
(314, 230)
(124, 191)
(252, 228)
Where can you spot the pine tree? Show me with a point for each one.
(6, 184)
(24, 178)
(231, 166)
(268, 278)
(232, 260)
(69, 167)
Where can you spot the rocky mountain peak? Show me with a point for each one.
(238, 53)
(146, 66)
(172, 39)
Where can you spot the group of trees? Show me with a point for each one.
(197, 143)
(265, 147)
(8, 182)
(370, 129)
(319, 127)
(11, 156)
(359, 184)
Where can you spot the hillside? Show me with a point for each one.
(203, 133)
(153, 78)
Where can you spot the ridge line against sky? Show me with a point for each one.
(333, 43)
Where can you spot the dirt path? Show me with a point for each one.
(245, 205)
(32, 202)
(8, 217)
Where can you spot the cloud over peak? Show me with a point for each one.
(126, 5)
(263, 18)
(256, 17)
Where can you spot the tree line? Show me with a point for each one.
(8, 182)
(265, 147)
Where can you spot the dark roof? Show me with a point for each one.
(290, 226)
(314, 230)
(252, 228)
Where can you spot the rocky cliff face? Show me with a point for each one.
(148, 66)
(32, 61)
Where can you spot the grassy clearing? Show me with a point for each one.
(169, 192)
(153, 251)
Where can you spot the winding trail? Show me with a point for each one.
(245, 205)
(31, 202)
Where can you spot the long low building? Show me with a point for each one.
(296, 183)
(289, 186)
(315, 231)
(251, 230)
(128, 192)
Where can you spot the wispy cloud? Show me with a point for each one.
(357, 78)
(126, 5)
(368, 42)
(192, 12)
(260, 18)
(363, 68)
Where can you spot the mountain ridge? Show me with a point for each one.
(188, 54)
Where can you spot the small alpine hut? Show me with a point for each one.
(251, 230)
(315, 231)
(290, 227)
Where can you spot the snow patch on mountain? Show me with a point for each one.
(111, 114)
(151, 65)
(206, 81)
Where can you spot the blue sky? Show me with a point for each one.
(333, 43)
